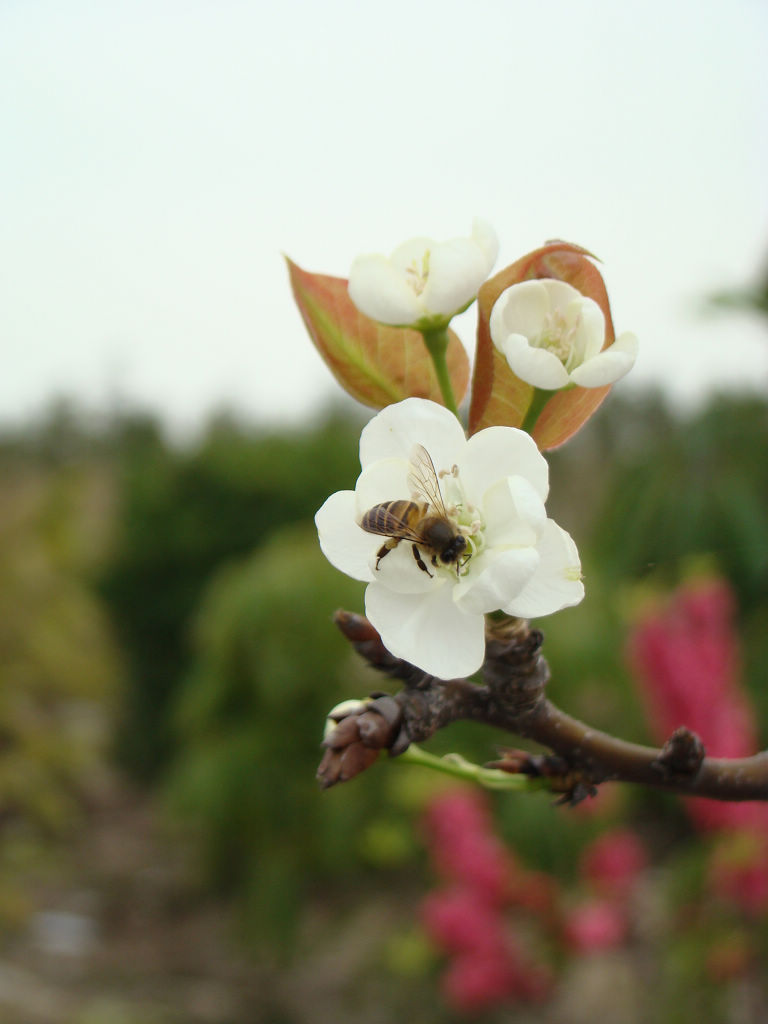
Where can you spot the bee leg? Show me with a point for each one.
(390, 545)
(420, 561)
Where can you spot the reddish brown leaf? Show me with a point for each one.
(377, 365)
(498, 395)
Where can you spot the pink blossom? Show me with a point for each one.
(613, 862)
(474, 982)
(463, 846)
(686, 661)
(594, 926)
(478, 861)
(465, 920)
(458, 922)
(456, 811)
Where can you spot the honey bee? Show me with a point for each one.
(423, 520)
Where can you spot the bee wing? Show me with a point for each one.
(422, 479)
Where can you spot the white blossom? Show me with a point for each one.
(423, 283)
(493, 487)
(552, 337)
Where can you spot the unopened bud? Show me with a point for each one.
(356, 733)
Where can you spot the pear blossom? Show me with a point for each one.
(492, 487)
(552, 337)
(424, 283)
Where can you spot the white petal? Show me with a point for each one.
(514, 513)
(560, 295)
(495, 579)
(589, 335)
(398, 571)
(342, 541)
(609, 365)
(485, 237)
(381, 292)
(429, 631)
(520, 309)
(498, 452)
(556, 583)
(456, 271)
(394, 431)
(535, 366)
(385, 480)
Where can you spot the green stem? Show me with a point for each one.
(437, 346)
(535, 409)
(458, 767)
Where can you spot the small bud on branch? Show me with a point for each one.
(360, 735)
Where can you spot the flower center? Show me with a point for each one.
(416, 275)
(463, 516)
(557, 335)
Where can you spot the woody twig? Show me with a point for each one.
(511, 696)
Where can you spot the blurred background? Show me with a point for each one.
(167, 432)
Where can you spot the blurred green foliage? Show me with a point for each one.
(59, 668)
(698, 490)
(269, 666)
(182, 514)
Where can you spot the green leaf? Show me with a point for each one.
(377, 365)
(498, 394)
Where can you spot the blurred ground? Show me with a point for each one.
(120, 932)
(119, 936)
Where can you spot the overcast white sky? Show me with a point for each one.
(157, 158)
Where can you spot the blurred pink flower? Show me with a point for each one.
(475, 981)
(487, 965)
(458, 922)
(455, 811)
(463, 846)
(466, 920)
(595, 926)
(686, 661)
(613, 862)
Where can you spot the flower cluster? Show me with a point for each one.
(551, 334)
(610, 867)
(465, 919)
(686, 661)
(488, 899)
(444, 530)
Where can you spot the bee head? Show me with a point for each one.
(453, 551)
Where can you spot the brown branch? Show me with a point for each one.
(512, 697)
(601, 757)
